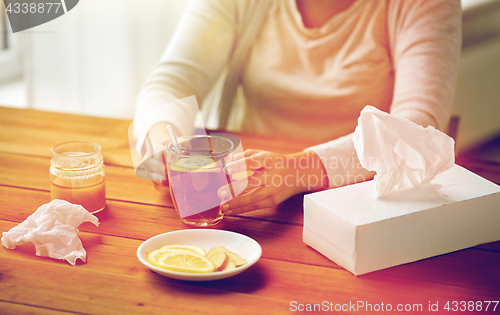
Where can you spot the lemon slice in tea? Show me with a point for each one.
(187, 262)
(195, 164)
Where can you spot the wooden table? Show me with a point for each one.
(289, 276)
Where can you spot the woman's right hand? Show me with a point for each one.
(155, 164)
(154, 160)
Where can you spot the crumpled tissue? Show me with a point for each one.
(53, 231)
(402, 153)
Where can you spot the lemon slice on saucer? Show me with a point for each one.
(186, 248)
(155, 255)
(187, 262)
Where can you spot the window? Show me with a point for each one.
(10, 56)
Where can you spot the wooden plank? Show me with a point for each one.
(7, 308)
(280, 242)
(46, 120)
(120, 284)
(69, 289)
(34, 132)
(139, 221)
(113, 281)
(121, 182)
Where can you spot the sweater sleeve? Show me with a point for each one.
(190, 65)
(425, 39)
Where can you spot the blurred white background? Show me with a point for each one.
(94, 59)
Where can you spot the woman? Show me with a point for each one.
(307, 69)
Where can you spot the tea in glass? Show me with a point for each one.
(195, 175)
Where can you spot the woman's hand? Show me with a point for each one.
(275, 178)
(154, 160)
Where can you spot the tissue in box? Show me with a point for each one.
(361, 233)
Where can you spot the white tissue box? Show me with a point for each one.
(361, 233)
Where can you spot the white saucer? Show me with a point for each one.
(244, 246)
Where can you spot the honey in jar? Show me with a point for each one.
(77, 175)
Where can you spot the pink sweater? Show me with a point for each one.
(400, 56)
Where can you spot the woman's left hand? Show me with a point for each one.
(274, 178)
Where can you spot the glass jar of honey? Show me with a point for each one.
(77, 175)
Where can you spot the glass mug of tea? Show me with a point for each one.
(196, 172)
